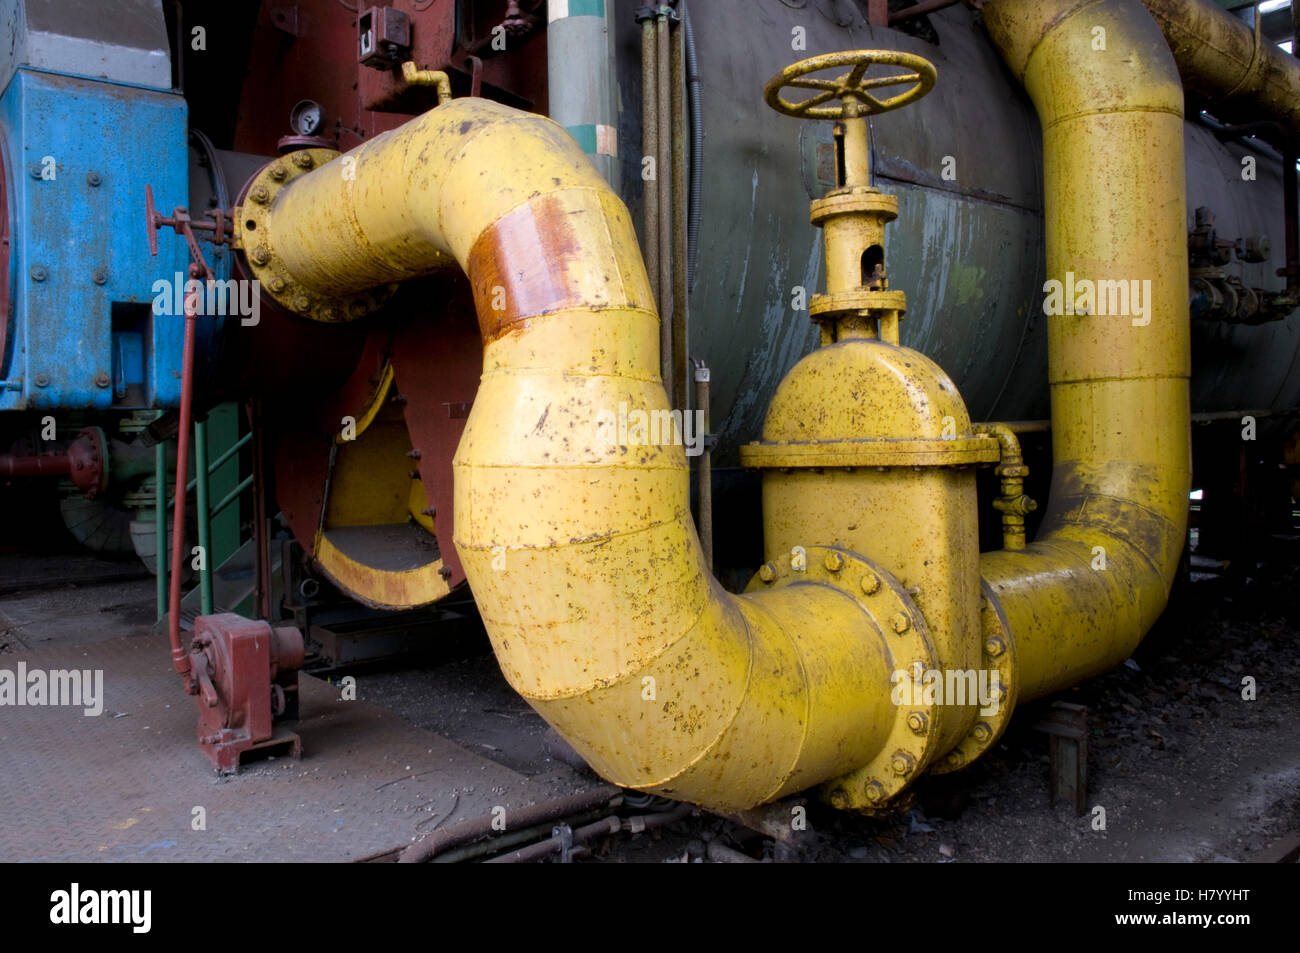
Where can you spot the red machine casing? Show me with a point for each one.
(247, 674)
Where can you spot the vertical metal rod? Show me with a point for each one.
(1289, 200)
(160, 525)
(681, 370)
(180, 657)
(203, 513)
(664, 175)
(705, 474)
(261, 523)
(650, 150)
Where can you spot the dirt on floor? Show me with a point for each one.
(1183, 763)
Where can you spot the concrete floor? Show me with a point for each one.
(1185, 769)
(130, 783)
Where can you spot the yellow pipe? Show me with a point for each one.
(1012, 503)
(577, 540)
(1081, 596)
(436, 78)
(1223, 60)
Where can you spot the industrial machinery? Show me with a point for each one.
(476, 254)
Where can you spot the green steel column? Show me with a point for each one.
(201, 476)
(223, 526)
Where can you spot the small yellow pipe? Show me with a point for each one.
(1081, 596)
(1012, 503)
(436, 78)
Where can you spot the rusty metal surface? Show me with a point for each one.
(285, 68)
(391, 547)
(436, 405)
(123, 786)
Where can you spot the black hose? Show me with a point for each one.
(697, 148)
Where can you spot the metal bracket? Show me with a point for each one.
(1067, 727)
(565, 834)
(285, 19)
(219, 225)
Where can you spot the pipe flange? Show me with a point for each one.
(829, 306)
(999, 656)
(88, 462)
(254, 237)
(921, 452)
(854, 201)
(911, 741)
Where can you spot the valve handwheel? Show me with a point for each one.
(853, 88)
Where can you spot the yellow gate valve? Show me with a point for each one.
(858, 302)
(868, 447)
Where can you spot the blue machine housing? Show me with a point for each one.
(77, 156)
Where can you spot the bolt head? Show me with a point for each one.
(870, 582)
(39, 273)
(303, 160)
(276, 284)
(982, 731)
(102, 379)
(278, 172)
(901, 623)
(301, 303)
(834, 562)
(260, 255)
(41, 380)
(918, 721)
(94, 179)
(260, 194)
(994, 647)
(902, 763)
(875, 792)
(840, 799)
(100, 276)
(766, 572)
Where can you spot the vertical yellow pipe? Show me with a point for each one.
(1081, 596)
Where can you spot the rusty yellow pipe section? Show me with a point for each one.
(1081, 596)
(573, 529)
(1225, 62)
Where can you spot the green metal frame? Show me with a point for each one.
(218, 526)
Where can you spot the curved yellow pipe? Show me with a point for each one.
(577, 542)
(1239, 75)
(1081, 596)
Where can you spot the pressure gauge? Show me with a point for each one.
(306, 118)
